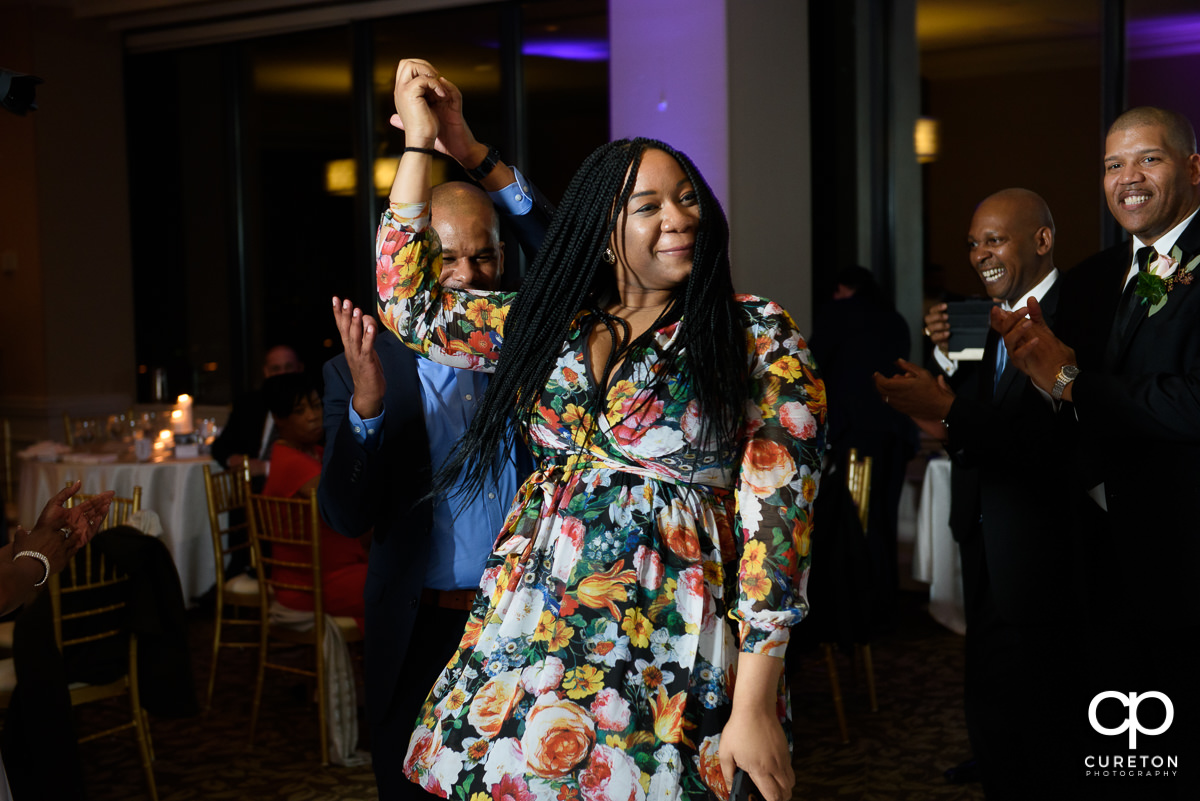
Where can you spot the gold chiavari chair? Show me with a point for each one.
(120, 511)
(238, 596)
(88, 599)
(858, 481)
(292, 524)
(10, 501)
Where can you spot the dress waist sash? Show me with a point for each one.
(576, 463)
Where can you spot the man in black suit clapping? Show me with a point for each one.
(1016, 558)
(1125, 365)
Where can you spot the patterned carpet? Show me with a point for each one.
(898, 753)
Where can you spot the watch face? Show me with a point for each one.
(1070, 371)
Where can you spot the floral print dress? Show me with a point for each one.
(636, 562)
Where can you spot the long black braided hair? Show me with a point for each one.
(569, 275)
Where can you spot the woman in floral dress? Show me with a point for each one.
(661, 548)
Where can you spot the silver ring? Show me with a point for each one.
(927, 332)
(66, 532)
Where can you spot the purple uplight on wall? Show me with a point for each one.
(568, 49)
(1163, 37)
(668, 79)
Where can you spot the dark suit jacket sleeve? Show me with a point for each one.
(1013, 427)
(224, 446)
(347, 500)
(243, 430)
(531, 228)
(1159, 406)
(1156, 394)
(982, 432)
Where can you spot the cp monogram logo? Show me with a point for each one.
(1131, 723)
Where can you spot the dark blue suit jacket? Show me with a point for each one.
(383, 492)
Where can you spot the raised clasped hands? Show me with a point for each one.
(418, 94)
(1032, 346)
(919, 394)
(358, 332)
(452, 135)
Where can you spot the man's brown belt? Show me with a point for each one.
(449, 599)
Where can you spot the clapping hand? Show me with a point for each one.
(358, 333)
(1032, 346)
(60, 532)
(920, 395)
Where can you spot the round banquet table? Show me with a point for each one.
(935, 553)
(172, 488)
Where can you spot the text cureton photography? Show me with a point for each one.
(1131, 764)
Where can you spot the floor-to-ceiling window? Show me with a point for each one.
(1163, 54)
(1014, 91)
(247, 209)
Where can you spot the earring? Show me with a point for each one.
(608, 256)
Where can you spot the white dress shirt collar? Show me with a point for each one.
(1037, 293)
(1163, 244)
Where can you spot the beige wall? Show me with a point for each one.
(66, 334)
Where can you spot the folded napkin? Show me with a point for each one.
(146, 521)
(45, 451)
(341, 699)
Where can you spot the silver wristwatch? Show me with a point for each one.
(1066, 374)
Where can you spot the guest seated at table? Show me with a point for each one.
(250, 430)
(295, 404)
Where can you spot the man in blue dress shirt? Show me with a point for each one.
(390, 417)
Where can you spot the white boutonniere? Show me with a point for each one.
(1162, 274)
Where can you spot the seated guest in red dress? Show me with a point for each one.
(295, 471)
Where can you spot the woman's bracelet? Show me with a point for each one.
(41, 557)
(428, 151)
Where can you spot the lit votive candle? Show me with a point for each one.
(184, 406)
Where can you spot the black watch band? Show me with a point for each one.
(485, 167)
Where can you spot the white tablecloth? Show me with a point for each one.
(172, 488)
(935, 553)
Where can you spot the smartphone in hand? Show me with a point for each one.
(743, 788)
(970, 321)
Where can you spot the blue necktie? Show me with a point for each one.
(1001, 363)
